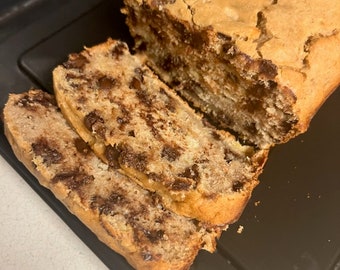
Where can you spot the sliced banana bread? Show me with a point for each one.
(129, 219)
(136, 124)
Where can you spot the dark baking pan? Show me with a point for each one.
(293, 218)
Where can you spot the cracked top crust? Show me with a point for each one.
(288, 24)
(297, 36)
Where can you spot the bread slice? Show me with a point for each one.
(137, 125)
(129, 219)
(260, 68)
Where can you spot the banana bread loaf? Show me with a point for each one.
(129, 219)
(139, 126)
(259, 68)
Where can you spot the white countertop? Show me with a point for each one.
(32, 236)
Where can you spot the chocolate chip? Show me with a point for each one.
(150, 121)
(253, 105)
(224, 37)
(76, 61)
(197, 39)
(135, 160)
(73, 179)
(259, 90)
(112, 154)
(268, 69)
(154, 235)
(106, 83)
(286, 126)
(116, 198)
(142, 46)
(171, 152)
(170, 62)
(237, 186)
(97, 202)
(131, 133)
(118, 49)
(92, 119)
(94, 123)
(181, 184)
(144, 98)
(49, 155)
(108, 205)
(135, 84)
(102, 205)
(29, 101)
(228, 50)
(216, 136)
(251, 128)
(124, 118)
(191, 172)
(81, 146)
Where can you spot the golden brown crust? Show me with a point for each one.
(137, 124)
(320, 78)
(127, 218)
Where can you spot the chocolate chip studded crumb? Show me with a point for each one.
(170, 152)
(30, 101)
(50, 156)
